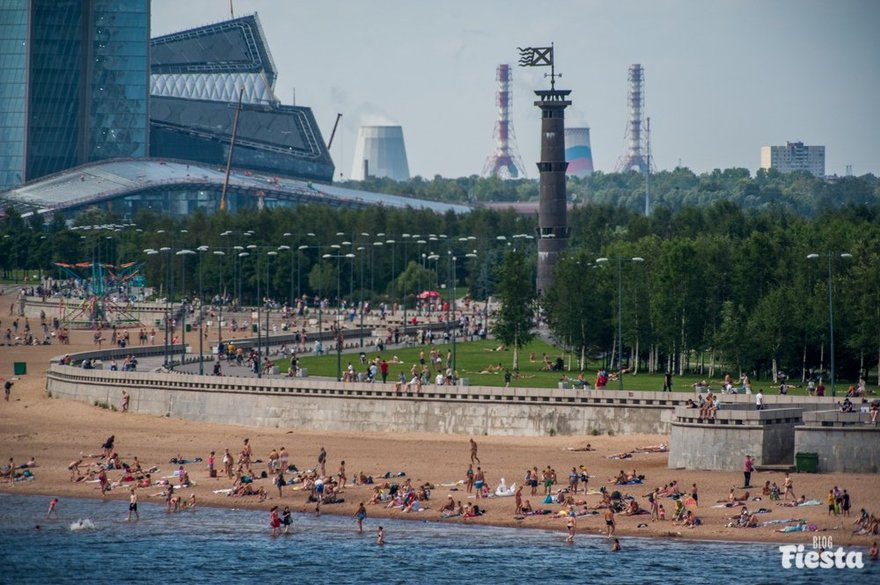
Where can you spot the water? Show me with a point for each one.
(235, 546)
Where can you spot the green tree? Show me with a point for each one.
(516, 294)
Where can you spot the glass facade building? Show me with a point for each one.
(13, 82)
(76, 74)
(198, 76)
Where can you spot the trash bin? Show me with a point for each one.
(806, 462)
(19, 368)
(254, 328)
(189, 327)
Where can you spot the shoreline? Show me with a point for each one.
(560, 531)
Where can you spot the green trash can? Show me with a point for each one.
(254, 328)
(806, 462)
(19, 368)
(189, 328)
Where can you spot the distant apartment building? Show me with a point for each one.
(794, 156)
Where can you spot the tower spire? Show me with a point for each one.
(504, 162)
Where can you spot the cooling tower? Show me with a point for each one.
(380, 152)
(577, 152)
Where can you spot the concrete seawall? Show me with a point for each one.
(332, 406)
(845, 441)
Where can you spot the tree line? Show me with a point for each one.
(670, 190)
(721, 284)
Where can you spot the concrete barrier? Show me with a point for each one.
(845, 441)
(333, 406)
(721, 443)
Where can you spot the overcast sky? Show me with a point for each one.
(722, 78)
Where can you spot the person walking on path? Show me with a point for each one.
(748, 468)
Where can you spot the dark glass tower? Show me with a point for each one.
(553, 227)
(74, 84)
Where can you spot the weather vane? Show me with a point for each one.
(539, 57)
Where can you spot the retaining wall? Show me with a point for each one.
(332, 406)
(723, 442)
(844, 441)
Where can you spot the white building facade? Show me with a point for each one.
(794, 156)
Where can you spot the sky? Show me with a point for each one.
(722, 77)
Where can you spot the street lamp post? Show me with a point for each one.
(830, 256)
(221, 297)
(183, 253)
(270, 253)
(201, 249)
(620, 314)
(338, 293)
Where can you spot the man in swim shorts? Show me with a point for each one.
(133, 505)
(609, 521)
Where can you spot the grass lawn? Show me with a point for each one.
(474, 358)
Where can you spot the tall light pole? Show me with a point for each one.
(620, 313)
(830, 256)
(338, 328)
(240, 263)
(183, 254)
(221, 296)
(269, 255)
(201, 249)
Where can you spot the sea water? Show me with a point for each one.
(93, 543)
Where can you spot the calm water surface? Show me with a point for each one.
(235, 546)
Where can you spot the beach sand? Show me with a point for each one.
(56, 432)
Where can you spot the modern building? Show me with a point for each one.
(74, 79)
(179, 188)
(794, 156)
(380, 152)
(578, 154)
(198, 77)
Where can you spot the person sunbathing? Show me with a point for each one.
(632, 508)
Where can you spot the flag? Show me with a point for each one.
(535, 56)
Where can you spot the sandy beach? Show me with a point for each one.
(56, 432)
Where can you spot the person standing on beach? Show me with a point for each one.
(748, 467)
(479, 481)
(474, 452)
(322, 461)
(343, 479)
(244, 459)
(519, 501)
(133, 504)
(7, 389)
(360, 515)
(609, 521)
(469, 479)
(211, 472)
(126, 398)
(788, 488)
(228, 463)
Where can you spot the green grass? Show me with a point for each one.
(475, 357)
